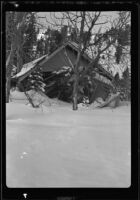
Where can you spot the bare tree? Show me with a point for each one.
(85, 22)
(9, 31)
(14, 25)
(21, 19)
(89, 23)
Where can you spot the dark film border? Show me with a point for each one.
(78, 193)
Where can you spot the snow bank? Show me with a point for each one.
(59, 147)
(37, 97)
(54, 146)
(43, 100)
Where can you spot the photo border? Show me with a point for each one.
(78, 193)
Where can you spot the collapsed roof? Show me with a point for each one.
(64, 56)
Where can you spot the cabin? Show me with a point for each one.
(66, 56)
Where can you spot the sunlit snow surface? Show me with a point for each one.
(54, 146)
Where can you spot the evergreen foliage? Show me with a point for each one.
(34, 81)
(30, 38)
(123, 41)
(124, 85)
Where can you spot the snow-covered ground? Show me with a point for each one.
(54, 146)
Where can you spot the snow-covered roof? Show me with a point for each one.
(27, 67)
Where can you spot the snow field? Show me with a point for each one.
(58, 147)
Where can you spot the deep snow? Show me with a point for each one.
(54, 146)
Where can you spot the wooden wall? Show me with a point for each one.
(60, 59)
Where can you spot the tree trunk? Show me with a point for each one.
(8, 72)
(8, 85)
(16, 43)
(29, 99)
(19, 59)
(75, 93)
(76, 82)
(19, 49)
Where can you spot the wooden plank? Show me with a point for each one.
(113, 101)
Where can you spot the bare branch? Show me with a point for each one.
(101, 23)
(53, 24)
(82, 23)
(9, 57)
(70, 19)
(90, 28)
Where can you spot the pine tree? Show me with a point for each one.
(29, 47)
(30, 38)
(41, 47)
(54, 39)
(34, 81)
(123, 41)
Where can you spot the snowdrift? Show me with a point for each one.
(40, 98)
(59, 147)
(113, 101)
(37, 97)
